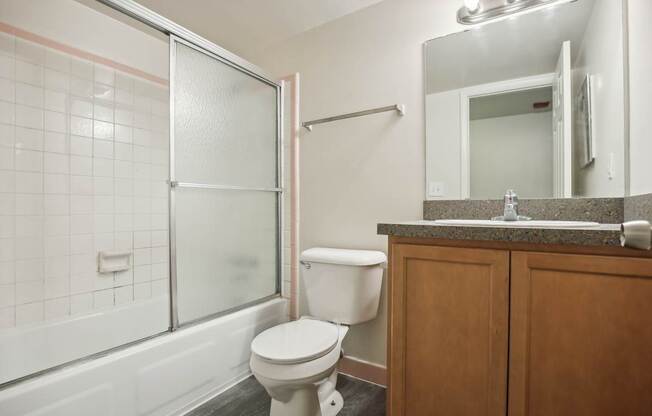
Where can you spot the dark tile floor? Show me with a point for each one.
(248, 398)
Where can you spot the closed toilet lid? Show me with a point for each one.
(296, 342)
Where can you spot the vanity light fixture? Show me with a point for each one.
(480, 11)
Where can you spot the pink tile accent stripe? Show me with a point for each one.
(293, 81)
(33, 37)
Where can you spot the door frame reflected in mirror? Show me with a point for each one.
(494, 88)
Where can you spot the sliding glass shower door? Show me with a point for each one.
(225, 185)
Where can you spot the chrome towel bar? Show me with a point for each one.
(399, 108)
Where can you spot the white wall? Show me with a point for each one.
(512, 152)
(443, 151)
(601, 56)
(640, 96)
(357, 172)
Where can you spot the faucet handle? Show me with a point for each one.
(511, 197)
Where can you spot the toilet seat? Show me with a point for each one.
(296, 342)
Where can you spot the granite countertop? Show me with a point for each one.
(609, 212)
(604, 235)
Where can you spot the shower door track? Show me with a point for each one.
(177, 32)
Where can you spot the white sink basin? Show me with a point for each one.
(520, 224)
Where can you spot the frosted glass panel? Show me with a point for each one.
(226, 249)
(225, 123)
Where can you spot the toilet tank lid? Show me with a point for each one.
(344, 257)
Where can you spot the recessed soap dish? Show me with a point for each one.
(113, 261)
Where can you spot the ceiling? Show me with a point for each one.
(245, 26)
(507, 49)
(510, 104)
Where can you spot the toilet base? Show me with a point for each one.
(331, 401)
(332, 405)
(303, 403)
(318, 399)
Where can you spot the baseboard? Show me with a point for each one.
(364, 370)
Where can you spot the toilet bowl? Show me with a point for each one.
(296, 362)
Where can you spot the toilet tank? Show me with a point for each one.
(342, 285)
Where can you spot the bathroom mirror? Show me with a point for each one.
(534, 102)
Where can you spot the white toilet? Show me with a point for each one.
(296, 361)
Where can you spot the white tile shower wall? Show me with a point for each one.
(83, 165)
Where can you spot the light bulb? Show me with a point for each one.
(472, 5)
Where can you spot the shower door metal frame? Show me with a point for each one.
(168, 27)
(173, 184)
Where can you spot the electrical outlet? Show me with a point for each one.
(611, 172)
(436, 189)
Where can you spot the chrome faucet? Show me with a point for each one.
(510, 211)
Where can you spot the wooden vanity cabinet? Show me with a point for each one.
(580, 335)
(579, 329)
(448, 331)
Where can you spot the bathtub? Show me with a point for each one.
(166, 375)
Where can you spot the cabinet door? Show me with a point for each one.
(448, 331)
(580, 335)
